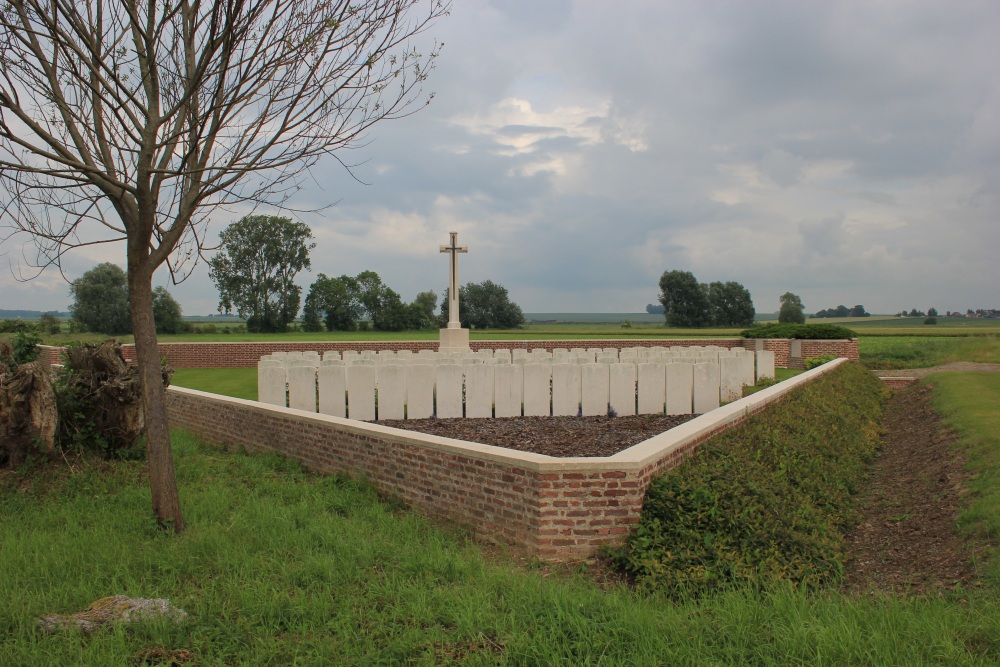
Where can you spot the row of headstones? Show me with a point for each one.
(396, 391)
(559, 355)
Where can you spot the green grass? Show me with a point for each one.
(924, 352)
(766, 501)
(970, 401)
(235, 382)
(283, 567)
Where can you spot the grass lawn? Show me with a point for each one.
(279, 566)
(924, 352)
(235, 382)
(969, 401)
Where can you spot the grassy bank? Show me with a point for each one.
(279, 566)
(925, 352)
(969, 402)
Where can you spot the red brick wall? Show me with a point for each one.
(557, 508)
(246, 355)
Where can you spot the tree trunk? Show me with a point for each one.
(162, 483)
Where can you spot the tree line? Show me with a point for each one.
(255, 272)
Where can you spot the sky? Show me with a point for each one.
(848, 152)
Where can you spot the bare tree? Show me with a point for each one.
(132, 121)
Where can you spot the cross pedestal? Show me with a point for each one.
(453, 338)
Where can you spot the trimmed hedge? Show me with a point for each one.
(800, 331)
(766, 501)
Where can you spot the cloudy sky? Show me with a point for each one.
(845, 151)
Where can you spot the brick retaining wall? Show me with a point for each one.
(559, 509)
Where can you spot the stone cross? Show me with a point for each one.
(453, 249)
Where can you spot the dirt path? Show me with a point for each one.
(907, 540)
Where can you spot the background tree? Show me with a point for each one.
(131, 121)
(730, 304)
(684, 300)
(791, 311)
(256, 268)
(932, 312)
(166, 312)
(655, 309)
(333, 303)
(484, 305)
(425, 304)
(100, 300)
(49, 323)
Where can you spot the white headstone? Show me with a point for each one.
(272, 384)
(537, 378)
(765, 364)
(302, 388)
(390, 381)
(332, 389)
(508, 383)
(652, 389)
(566, 379)
(361, 392)
(680, 385)
(706, 387)
(419, 391)
(479, 391)
(730, 379)
(448, 389)
(596, 384)
(622, 388)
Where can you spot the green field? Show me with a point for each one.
(279, 566)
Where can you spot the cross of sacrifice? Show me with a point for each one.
(453, 249)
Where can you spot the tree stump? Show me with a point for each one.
(29, 418)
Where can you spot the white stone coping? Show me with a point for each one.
(632, 459)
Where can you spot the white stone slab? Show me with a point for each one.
(272, 384)
(651, 388)
(419, 390)
(361, 392)
(680, 388)
(747, 377)
(448, 390)
(595, 389)
(730, 379)
(508, 386)
(622, 389)
(332, 380)
(706, 387)
(390, 380)
(566, 386)
(765, 364)
(537, 397)
(302, 388)
(479, 391)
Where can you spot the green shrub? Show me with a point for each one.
(16, 326)
(799, 331)
(930, 320)
(810, 363)
(26, 347)
(765, 501)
